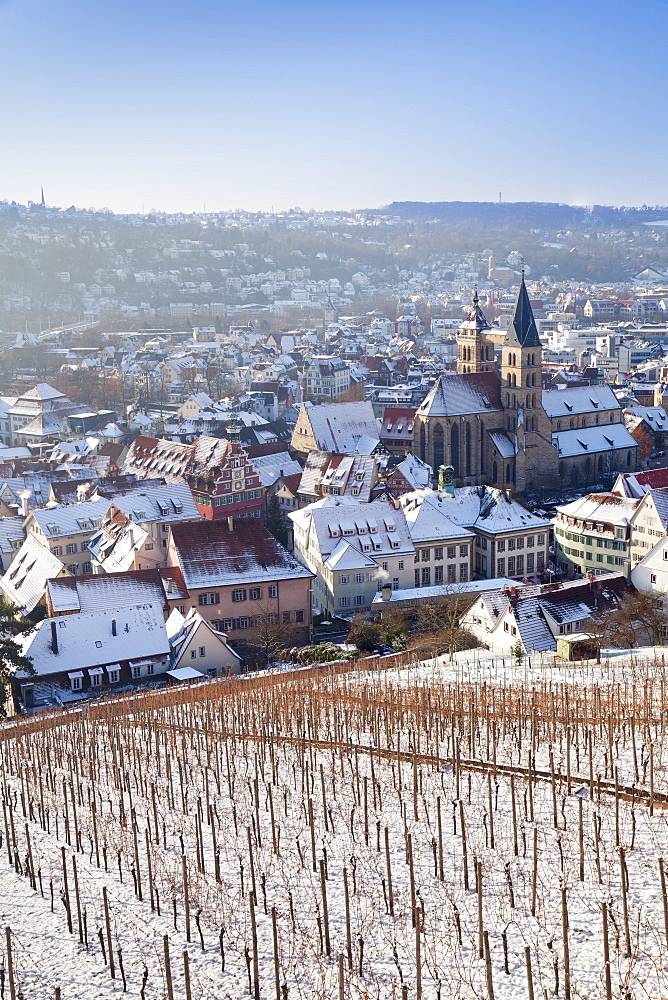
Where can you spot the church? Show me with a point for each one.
(504, 429)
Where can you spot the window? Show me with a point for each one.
(57, 550)
(505, 627)
(359, 600)
(244, 622)
(395, 583)
(511, 565)
(417, 578)
(529, 541)
(426, 577)
(238, 595)
(214, 598)
(286, 617)
(299, 616)
(540, 560)
(148, 546)
(72, 548)
(438, 574)
(653, 577)
(438, 553)
(426, 555)
(452, 573)
(344, 579)
(344, 602)
(73, 569)
(76, 683)
(255, 593)
(202, 650)
(359, 577)
(530, 562)
(384, 566)
(501, 546)
(520, 543)
(136, 673)
(463, 571)
(520, 564)
(401, 564)
(463, 551)
(541, 540)
(452, 551)
(95, 680)
(150, 669)
(511, 544)
(228, 624)
(501, 567)
(272, 590)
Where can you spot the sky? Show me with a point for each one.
(213, 105)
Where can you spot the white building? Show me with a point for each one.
(352, 548)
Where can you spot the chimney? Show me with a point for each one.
(230, 523)
(25, 496)
(113, 627)
(169, 584)
(54, 638)
(386, 592)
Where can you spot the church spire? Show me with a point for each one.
(522, 329)
(42, 203)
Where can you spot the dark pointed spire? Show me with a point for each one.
(522, 329)
(43, 202)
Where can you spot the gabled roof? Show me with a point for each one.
(522, 329)
(211, 554)
(24, 582)
(106, 591)
(87, 639)
(459, 393)
(579, 399)
(636, 484)
(592, 440)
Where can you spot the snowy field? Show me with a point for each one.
(466, 829)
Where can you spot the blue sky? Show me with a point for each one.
(331, 105)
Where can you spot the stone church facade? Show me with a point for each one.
(503, 429)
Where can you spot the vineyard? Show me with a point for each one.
(353, 834)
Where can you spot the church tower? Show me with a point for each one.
(522, 392)
(475, 353)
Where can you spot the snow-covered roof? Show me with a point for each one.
(415, 471)
(428, 520)
(24, 582)
(502, 443)
(457, 393)
(173, 502)
(105, 591)
(602, 507)
(483, 508)
(581, 399)
(338, 427)
(211, 554)
(442, 590)
(655, 416)
(87, 639)
(272, 467)
(71, 519)
(592, 440)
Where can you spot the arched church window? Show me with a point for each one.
(494, 472)
(628, 458)
(439, 447)
(454, 447)
(423, 443)
(528, 381)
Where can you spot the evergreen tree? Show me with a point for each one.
(276, 521)
(11, 657)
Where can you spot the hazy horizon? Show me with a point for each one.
(157, 106)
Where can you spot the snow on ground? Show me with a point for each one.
(235, 754)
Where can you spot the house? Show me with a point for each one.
(335, 428)
(36, 416)
(66, 530)
(24, 582)
(76, 655)
(239, 577)
(636, 484)
(327, 474)
(648, 523)
(536, 617)
(509, 539)
(352, 548)
(396, 430)
(443, 548)
(196, 644)
(593, 534)
(218, 471)
(326, 377)
(68, 595)
(12, 536)
(651, 573)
